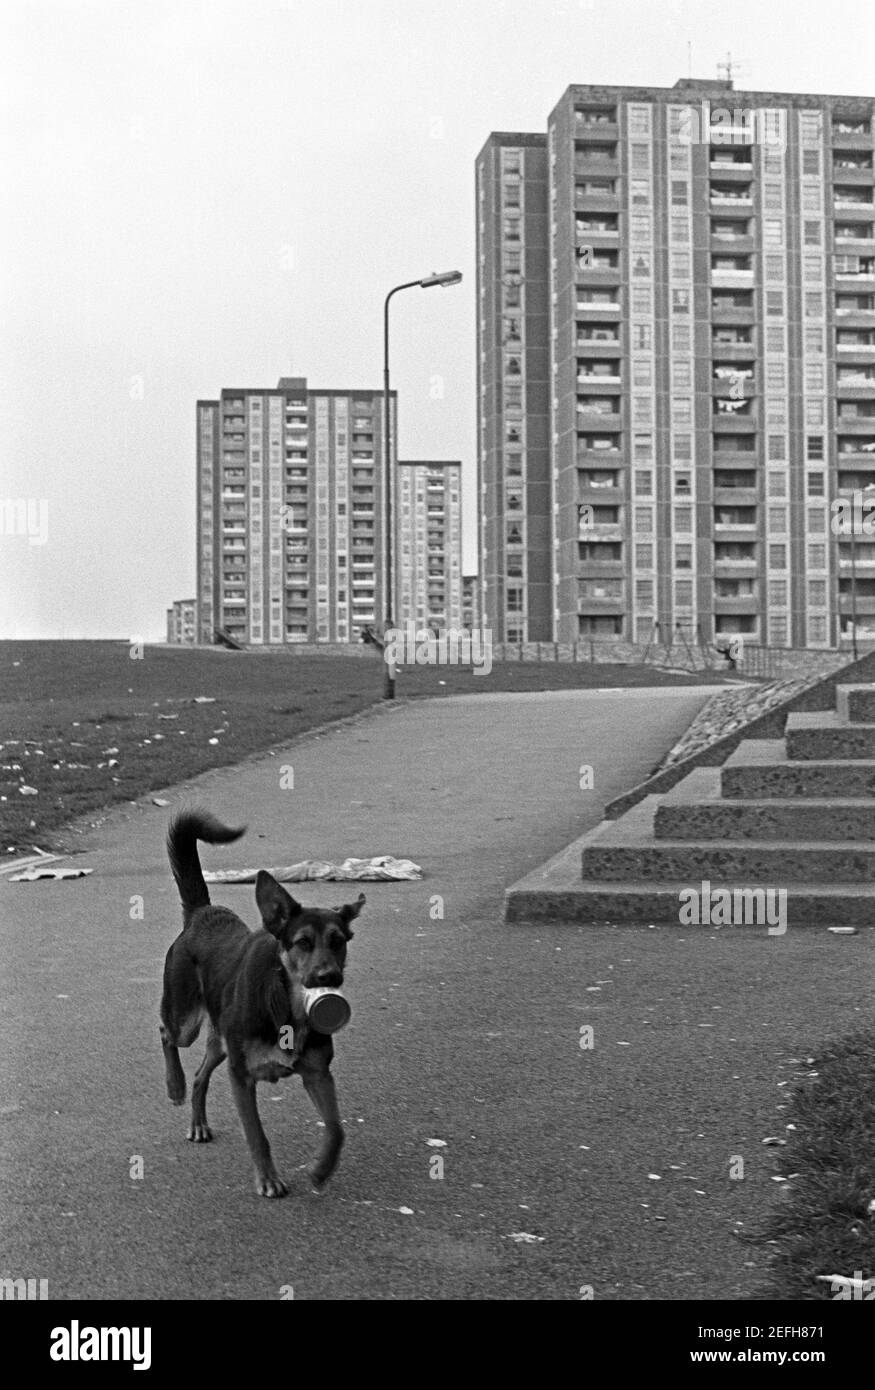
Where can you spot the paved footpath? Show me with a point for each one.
(464, 1030)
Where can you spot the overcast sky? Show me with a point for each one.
(201, 195)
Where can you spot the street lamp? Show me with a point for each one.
(447, 277)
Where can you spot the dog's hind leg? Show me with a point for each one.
(319, 1084)
(182, 1012)
(200, 1132)
(173, 1068)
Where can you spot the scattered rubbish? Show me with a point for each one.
(524, 1238)
(212, 740)
(406, 1211)
(381, 868)
(204, 700)
(870, 1209)
(436, 1143)
(159, 801)
(844, 1281)
(28, 791)
(772, 1141)
(843, 931)
(655, 1177)
(31, 875)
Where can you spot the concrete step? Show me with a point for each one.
(824, 737)
(760, 768)
(659, 904)
(694, 810)
(625, 851)
(855, 704)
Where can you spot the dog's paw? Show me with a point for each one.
(318, 1175)
(200, 1134)
(270, 1187)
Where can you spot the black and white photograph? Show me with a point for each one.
(437, 672)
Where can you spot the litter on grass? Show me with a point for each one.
(381, 868)
(31, 875)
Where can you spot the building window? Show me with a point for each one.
(812, 233)
(778, 593)
(817, 592)
(777, 485)
(644, 556)
(644, 519)
(777, 557)
(683, 518)
(817, 629)
(778, 631)
(775, 302)
(777, 446)
(683, 557)
(814, 340)
(814, 376)
(814, 449)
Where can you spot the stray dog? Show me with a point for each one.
(249, 986)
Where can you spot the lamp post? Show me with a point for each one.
(447, 277)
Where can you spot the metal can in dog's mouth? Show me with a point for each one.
(327, 1010)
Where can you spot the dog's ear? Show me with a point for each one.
(348, 912)
(277, 907)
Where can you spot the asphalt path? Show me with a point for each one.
(560, 1169)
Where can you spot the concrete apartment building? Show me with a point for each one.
(291, 519)
(182, 622)
(693, 271)
(428, 544)
(291, 513)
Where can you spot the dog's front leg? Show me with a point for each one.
(267, 1184)
(319, 1083)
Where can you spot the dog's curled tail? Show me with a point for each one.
(186, 829)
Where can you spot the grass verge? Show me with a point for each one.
(821, 1224)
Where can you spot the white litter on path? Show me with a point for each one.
(381, 868)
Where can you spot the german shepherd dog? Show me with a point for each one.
(249, 986)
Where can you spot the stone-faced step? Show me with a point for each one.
(694, 810)
(625, 851)
(855, 704)
(760, 768)
(535, 900)
(824, 736)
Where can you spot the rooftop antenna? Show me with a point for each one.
(729, 68)
(689, 58)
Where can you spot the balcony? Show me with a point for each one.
(736, 496)
(741, 603)
(731, 171)
(600, 310)
(730, 350)
(599, 160)
(724, 199)
(600, 346)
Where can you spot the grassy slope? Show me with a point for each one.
(822, 1225)
(68, 708)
